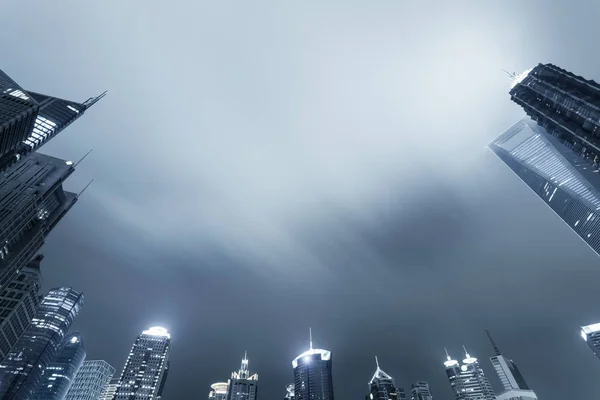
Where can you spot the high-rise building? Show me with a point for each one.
(468, 382)
(556, 151)
(243, 385)
(591, 334)
(312, 374)
(420, 391)
(219, 391)
(18, 302)
(29, 119)
(25, 363)
(91, 380)
(382, 387)
(289, 392)
(513, 382)
(146, 368)
(59, 374)
(111, 390)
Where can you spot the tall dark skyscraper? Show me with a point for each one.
(420, 391)
(18, 302)
(59, 374)
(468, 382)
(146, 368)
(91, 381)
(382, 387)
(29, 119)
(556, 151)
(22, 369)
(512, 380)
(312, 375)
(243, 385)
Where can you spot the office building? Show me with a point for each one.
(420, 391)
(513, 382)
(312, 374)
(111, 390)
(467, 381)
(18, 302)
(243, 385)
(22, 368)
(91, 381)
(29, 119)
(219, 391)
(58, 376)
(147, 366)
(382, 387)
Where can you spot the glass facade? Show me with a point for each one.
(420, 391)
(91, 381)
(312, 375)
(382, 387)
(467, 381)
(22, 369)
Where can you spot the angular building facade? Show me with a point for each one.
(91, 381)
(111, 390)
(146, 368)
(59, 374)
(18, 302)
(382, 387)
(312, 375)
(22, 368)
(420, 391)
(467, 381)
(591, 334)
(243, 385)
(219, 391)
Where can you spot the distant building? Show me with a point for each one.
(312, 375)
(468, 382)
(243, 385)
(18, 302)
(24, 365)
(289, 392)
(513, 382)
(382, 387)
(420, 391)
(59, 374)
(147, 366)
(219, 391)
(111, 390)
(91, 381)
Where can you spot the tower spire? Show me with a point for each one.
(466, 352)
(447, 355)
(310, 337)
(82, 158)
(377, 362)
(496, 349)
(511, 75)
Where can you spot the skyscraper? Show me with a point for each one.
(146, 368)
(591, 334)
(312, 374)
(91, 380)
(513, 383)
(18, 302)
(111, 390)
(420, 391)
(243, 385)
(289, 392)
(219, 391)
(29, 119)
(382, 387)
(59, 374)
(556, 151)
(22, 368)
(468, 382)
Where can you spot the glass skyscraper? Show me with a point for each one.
(556, 151)
(420, 391)
(59, 374)
(243, 385)
(312, 375)
(468, 382)
(91, 380)
(146, 368)
(382, 387)
(22, 368)
(591, 334)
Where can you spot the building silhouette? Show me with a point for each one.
(289, 392)
(420, 391)
(22, 368)
(58, 376)
(219, 391)
(147, 366)
(243, 385)
(312, 375)
(467, 381)
(91, 381)
(18, 302)
(382, 387)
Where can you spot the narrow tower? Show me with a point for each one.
(468, 382)
(382, 387)
(91, 380)
(312, 374)
(243, 385)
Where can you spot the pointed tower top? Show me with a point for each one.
(511, 75)
(377, 362)
(246, 355)
(93, 100)
(84, 189)
(379, 373)
(496, 349)
(466, 352)
(310, 337)
(447, 355)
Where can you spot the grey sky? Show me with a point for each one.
(266, 166)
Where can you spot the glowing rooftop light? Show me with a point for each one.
(518, 78)
(591, 328)
(157, 331)
(325, 356)
(219, 387)
(584, 335)
(74, 339)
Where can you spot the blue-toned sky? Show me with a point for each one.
(262, 167)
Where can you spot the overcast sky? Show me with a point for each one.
(262, 167)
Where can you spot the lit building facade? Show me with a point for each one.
(289, 392)
(111, 390)
(312, 375)
(147, 366)
(219, 391)
(591, 335)
(18, 302)
(468, 382)
(420, 391)
(382, 387)
(22, 368)
(243, 385)
(58, 376)
(91, 381)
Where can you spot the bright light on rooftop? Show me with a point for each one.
(519, 78)
(157, 331)
(591, 328)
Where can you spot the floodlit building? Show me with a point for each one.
(420, 391)
(382, 387)
(468, 382)
(591, 334)
(243, 385)
(91, 381)
(219, 391)
(312, 375)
